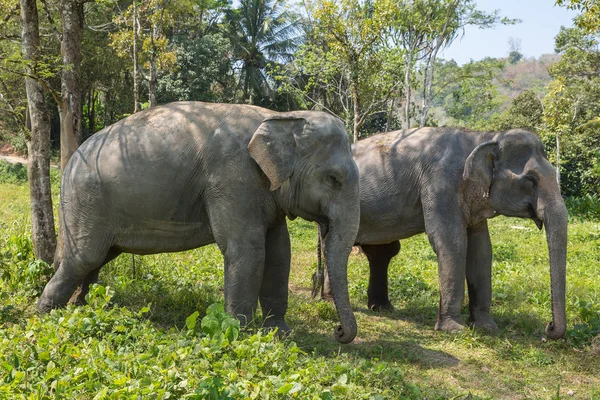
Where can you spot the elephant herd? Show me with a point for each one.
(186, 174)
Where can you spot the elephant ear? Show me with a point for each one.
(273, 147)
(479, 166)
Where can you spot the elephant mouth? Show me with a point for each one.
(324, 229)
(533, 215)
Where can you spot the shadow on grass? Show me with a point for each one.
(169, 307)
(402, 350)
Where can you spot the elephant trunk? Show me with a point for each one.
(338, 239)
(552, 211)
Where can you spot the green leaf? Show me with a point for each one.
(215, 308)
(231, 328)
(210, 325)
(44, 356)
(190, 321)
(285, 388)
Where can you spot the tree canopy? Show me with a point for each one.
(373, 63)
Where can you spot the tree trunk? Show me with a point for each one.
(389, 116)
(356, 104)
(558, 159)
(136, 96)
(152, 84)
(428, 75)
(427, 85)
(92, 111)
(153, 81)
(71, 134)
(38, 166)
(407, 90)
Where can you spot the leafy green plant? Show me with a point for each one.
(12, 173)
(17, 174)
(584, 333)
(584, 208)
(217, 324)
(18, 266)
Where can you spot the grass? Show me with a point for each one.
(140, 338)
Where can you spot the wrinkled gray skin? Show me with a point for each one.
(447, 183)
(187, 174)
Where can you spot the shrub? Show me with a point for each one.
(586, 207)
(17, 174)
(589, 331)
(12, 173)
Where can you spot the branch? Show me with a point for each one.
(37, 78)
(51, 20)
(15, 114)
(317, 102)
(106, 27)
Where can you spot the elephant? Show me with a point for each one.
(186, 174)
(447, 182)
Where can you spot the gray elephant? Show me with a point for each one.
(186, 174)
(448, 182)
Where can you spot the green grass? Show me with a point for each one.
(137, 339)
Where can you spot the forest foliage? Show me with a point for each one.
(374, 64)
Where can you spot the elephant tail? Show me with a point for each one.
(318, 277)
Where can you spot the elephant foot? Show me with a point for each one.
(449, 324)
(283, 328)
(44, 306)
(381, 306)
(484, 323)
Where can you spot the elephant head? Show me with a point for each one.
(307, 160)
(514, 174)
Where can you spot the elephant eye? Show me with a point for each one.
(334, 181)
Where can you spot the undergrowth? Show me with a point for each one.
(584, 208)
(155, 328)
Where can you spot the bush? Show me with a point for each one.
(586, 207)
(17, 174)
(18, 266)
(13, 173)
(588, 331)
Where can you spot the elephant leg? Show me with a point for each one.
(379, 257)
(243, 248)
(72, 271)
(274, 288)
(479, 277)
(447, 234)
(92, 277)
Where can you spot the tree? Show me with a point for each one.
(203, 52)
(70, 106)
(38, 169)
(141, 38)
(589, 19)
(515, 55)
(570, 109)
(411, 31)
(345, 58)
(525, 112)
(469, 93)
(261, 33)
(444, 20)
(13, 98)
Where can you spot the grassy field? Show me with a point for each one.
(142, 338)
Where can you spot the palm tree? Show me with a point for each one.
(261, 33)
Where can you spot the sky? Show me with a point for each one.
(541, 21)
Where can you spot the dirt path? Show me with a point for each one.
(13, 159)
